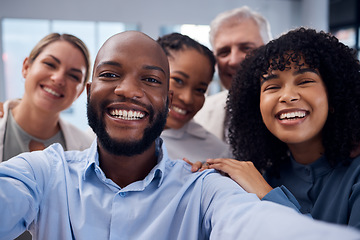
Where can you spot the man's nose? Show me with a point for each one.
(129, 87)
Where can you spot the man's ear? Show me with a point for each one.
(25, 67)
(88, 88)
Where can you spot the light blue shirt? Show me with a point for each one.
(65, 195)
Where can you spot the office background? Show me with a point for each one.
(24, 22)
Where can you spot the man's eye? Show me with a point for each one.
(222, 53)
(108, 75)
(152, 80)
(247, 49)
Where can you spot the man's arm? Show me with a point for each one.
(21, 190)
(231, 213)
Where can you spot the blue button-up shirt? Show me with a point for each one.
(328, 193)
(65, 195)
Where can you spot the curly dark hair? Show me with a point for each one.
(340, 71)
(174, 42)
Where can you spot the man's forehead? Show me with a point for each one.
(133, 47)
(245, 31)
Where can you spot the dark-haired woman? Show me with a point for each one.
(191, 71)
(295, 114)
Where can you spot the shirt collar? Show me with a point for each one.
(314, 170)
(158, 172)
(92, 159)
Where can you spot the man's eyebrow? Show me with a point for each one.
(267, 78)
(152, 67)
(246, 43)
(111, 63)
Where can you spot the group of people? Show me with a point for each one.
(285, 150)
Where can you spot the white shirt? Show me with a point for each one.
(194, 142)
(212, 115)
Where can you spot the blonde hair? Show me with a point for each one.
(54, 37)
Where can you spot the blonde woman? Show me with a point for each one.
(55, 74)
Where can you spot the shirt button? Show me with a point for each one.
(122, 194)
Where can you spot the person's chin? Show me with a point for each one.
(226, 80)
(174, 124)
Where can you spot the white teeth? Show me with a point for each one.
(51, 91)
(291, 115)
(127, 115)
(179, 110)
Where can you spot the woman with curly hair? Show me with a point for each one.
(294, 124)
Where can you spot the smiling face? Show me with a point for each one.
(294, 105)
(190, 75)
(231, 44)
(128, 96)
(55, 78)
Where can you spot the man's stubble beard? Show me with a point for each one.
(126, 148)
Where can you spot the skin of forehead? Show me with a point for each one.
(244, 23)
(136, 41)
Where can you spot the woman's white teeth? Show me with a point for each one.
(48, 90)
(179, 110)
(127, 115)
(292, 115)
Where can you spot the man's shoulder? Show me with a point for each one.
(179, 170)
(54, 155)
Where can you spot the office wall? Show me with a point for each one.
(152, 14)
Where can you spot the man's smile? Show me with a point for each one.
(127, 115)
